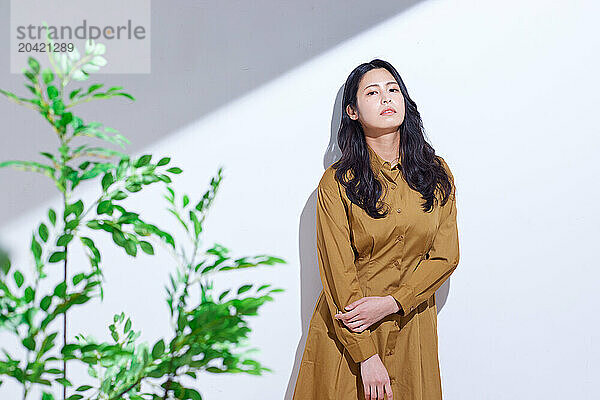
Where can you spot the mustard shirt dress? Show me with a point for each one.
(408, 254)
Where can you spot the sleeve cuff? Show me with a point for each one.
(405, 298)
(362, 350)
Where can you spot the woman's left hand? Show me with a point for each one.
(366, 311)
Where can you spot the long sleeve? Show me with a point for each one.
(338, 272)
(441, 260)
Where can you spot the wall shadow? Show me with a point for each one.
(204, 56)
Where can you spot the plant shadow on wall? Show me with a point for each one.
(208, 333)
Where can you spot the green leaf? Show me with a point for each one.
(118, 237)
(115, 336)
(112, 89)
(186, 200)
(74, 208)
(143, 160)
(174, 170)
(105, 207)
(57, 256)
(45, 303)
(78, 278)
(94, 224)
(72, 224)
(80, 299)
(130, 97)
(64, 382)
(74, 93)
(107, 180)
(131, 248)
(36, 248)
(163, 161)
(19, 279)
(43, 231)
(243, 289)
(225, 293)
(60, 290)
(52, 216)
(34, 65)
(58, 106)
(52, 92)
(64, 240)
(197, 224)
(164, 178)
(94, 87)
(146, 247)
(47, 75)
(29, 343)
(30, 166)
(192, 394)
(119, 195)
(66, 118)
(29, 294)
(83, 388)
(133, 187)
(158, 349)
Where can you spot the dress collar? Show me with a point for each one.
(377, 163)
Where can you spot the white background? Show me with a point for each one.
(507, 92)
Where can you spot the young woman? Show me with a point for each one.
(386, 239)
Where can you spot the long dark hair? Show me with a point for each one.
(420, 167)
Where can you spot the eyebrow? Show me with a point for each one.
(387, 83)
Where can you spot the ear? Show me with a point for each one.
(351, 113)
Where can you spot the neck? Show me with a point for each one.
(387, 146)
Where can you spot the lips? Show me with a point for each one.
(389, 111)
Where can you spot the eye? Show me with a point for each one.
(371, 92)
(395, 89)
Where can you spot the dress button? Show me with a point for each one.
(396, 263)
(392, 380)
(399, 210)
(399, 238)
(393, 186)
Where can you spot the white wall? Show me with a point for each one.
(507, 92)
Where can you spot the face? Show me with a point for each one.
(377, 91)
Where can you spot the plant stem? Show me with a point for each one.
(65, 200)
(118, 397)
(25, 391)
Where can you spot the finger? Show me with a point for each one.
(388, 390)
(346, 316)
(355, 303)
(354, 325)
(373, 395)
(356, 318)
(360, 328)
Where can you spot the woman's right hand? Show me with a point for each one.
(375, 379)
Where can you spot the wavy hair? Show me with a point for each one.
(420, 167)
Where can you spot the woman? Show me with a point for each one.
(387, 239)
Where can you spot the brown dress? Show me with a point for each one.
(408, 254)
